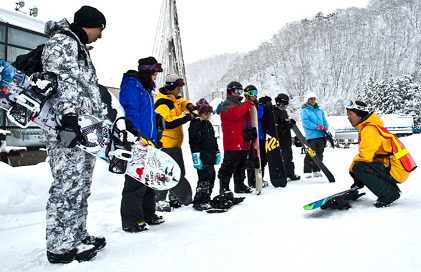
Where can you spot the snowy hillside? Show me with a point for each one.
(270, 232)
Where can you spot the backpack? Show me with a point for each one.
(43, 85)
(31, 62)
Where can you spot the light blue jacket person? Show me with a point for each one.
(313, 118)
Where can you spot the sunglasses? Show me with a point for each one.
(352, 105)
(251, 92)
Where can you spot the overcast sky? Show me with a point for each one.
(208, 27)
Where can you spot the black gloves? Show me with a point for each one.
(69, 131)
(292, 121)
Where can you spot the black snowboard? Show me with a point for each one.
(312, 154)
(278, 176)
(183, 191)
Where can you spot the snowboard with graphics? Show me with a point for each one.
(148, 165)
(340, 201)
(277, 172)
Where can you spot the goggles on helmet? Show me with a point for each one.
(237, 90)
(178, 83)
(352, 105)
(157, 67)
(251, 92)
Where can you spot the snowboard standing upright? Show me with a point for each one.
(313, 154)
(255, 149)
(278, 176)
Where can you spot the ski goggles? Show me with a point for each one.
(178, 83)
(354, 106)
(251, 92)
(237, 90)
(157, 67)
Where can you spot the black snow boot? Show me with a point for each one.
(224, 185)
(81, 254)
(98, 242)
(242, 189)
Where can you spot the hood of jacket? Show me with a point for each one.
(370, 118)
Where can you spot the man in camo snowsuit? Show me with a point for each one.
(66, 55)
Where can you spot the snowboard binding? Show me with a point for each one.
(342, 202)
(31, 100)
(119, 151)
(224, 202)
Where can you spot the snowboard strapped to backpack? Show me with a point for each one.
(43, 84)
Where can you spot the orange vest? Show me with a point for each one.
(398, 148)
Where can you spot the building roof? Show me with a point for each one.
(22, 20)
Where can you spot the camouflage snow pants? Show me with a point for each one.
(67, 207)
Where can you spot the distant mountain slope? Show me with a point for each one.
(203, 75)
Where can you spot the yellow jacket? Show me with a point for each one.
(372, 144)
(171, 109)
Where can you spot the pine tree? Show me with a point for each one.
(393, 96)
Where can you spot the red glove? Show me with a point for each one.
(320, 127)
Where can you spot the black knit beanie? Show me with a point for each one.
(89, 17)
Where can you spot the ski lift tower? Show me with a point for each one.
(167, 45)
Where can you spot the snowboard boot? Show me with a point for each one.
(224, 185)
(317, 174)
(239, 186)
(386, 201)
(82, 253)
(175, 204)
(156, 220)
(98, 242)
(141, 226)
(242, 189)
(162, 206)
(294, 177)
(201, 206)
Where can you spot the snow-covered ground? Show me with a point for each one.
(270, 232)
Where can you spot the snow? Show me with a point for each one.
(270, 232)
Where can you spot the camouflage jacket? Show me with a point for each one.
(69, 59)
